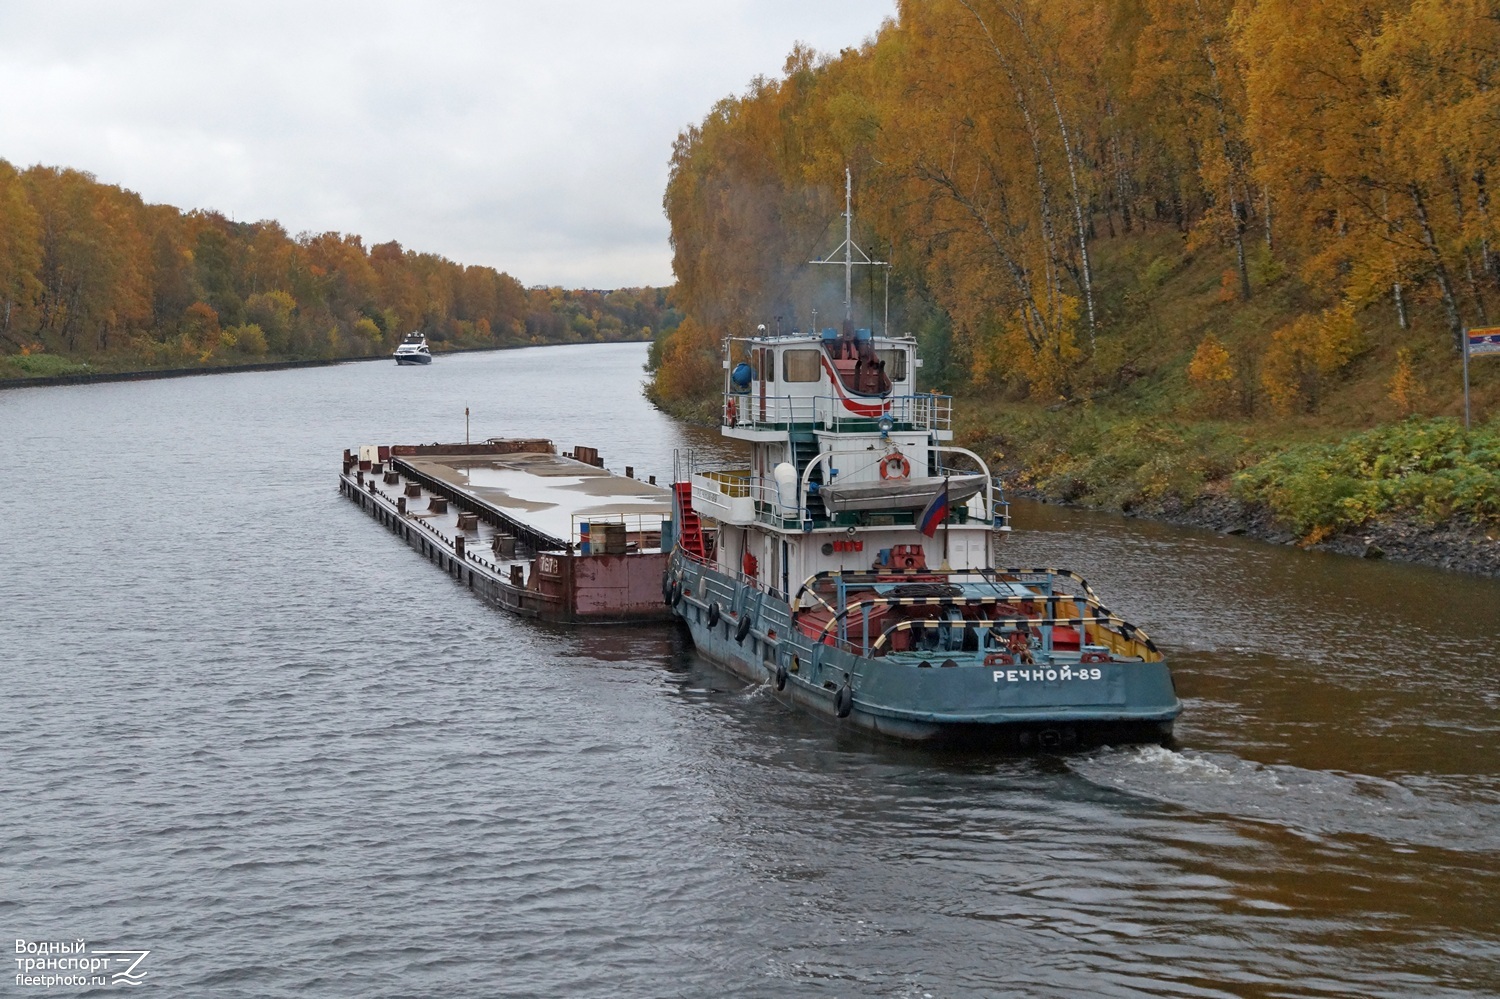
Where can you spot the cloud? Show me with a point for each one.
(532, 137)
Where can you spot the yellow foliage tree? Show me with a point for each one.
(1404, 384)
(1212, 372)
(1305, 353)
(20, 254)
(200, 331)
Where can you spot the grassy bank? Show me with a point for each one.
(1313, 483)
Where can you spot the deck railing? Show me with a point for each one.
(643, 529)
(923, 412)
(739, 498)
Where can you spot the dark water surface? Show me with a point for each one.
(245, 729)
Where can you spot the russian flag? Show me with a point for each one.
(935, 513)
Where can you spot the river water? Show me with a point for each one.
(248, 731)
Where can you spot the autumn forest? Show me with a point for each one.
(1229, 208)
(93, 278)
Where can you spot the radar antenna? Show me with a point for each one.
(849, 248)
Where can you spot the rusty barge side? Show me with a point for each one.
(517, 553)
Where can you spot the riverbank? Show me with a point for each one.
(151, 374)
(1423, 491)
(92, 377)
(1459, 545)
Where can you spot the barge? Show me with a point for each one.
(551, 536)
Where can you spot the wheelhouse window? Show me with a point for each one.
(895, 364)
(799, 365)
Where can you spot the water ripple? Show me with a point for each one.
(247, 731)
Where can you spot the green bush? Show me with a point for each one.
(1157, 272)
(1428, 469)
(39, 366)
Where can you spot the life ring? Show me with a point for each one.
(731, 412)
(1095, 657)
(713, 613)
(843, 701)
(742, 629)
(894, 466)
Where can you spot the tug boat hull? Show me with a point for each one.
(1061, 704)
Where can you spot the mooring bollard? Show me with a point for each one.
(629, 471)
(458, 545)
(438, 504)
(413, 489)
(401, 505)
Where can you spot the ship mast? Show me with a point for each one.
(850, 248)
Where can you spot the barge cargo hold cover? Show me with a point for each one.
(544, 535)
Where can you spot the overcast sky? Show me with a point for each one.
(529, 136)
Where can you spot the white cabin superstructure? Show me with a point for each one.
(846, 455)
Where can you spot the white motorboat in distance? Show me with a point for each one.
(414, 350)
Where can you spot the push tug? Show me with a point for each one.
(852, 565)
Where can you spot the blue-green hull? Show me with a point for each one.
(914, 696)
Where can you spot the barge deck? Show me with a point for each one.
(537, 533)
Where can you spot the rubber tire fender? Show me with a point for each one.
(742, 629)
(713, 613)
(780, 676)
(843, 701)
(666, 588)
(676, 594)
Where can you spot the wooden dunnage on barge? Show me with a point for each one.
(544, 535)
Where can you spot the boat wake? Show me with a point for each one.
(1316, 804)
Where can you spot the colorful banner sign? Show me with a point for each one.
(1484, 340)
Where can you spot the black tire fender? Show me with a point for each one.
(676, 594)
(780, 676)
(843, 701)
(742, 629)
(713, 613)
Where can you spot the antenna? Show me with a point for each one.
(850, 248)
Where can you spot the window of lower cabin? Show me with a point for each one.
(799, 365)
(895, 364)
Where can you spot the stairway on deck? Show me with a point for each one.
(689, 526)
(804, 450)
